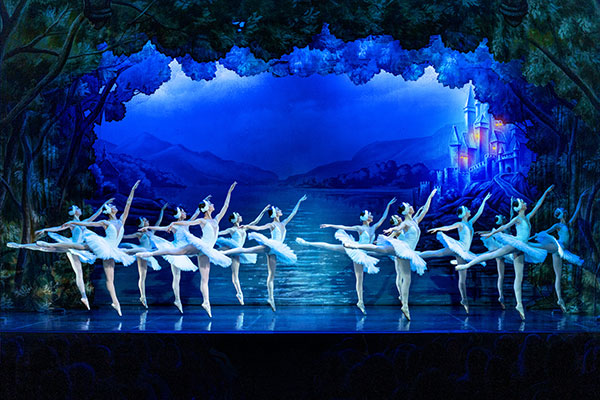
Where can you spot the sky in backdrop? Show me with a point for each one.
(288, 125)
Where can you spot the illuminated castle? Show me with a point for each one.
(483, 148)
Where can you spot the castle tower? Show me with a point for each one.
(481, 136)
(454, 146)
(469, 111)
(496, 143)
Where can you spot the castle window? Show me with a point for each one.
(499, 123)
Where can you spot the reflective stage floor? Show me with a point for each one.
(297, 319)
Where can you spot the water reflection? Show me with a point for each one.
(360, 323)
(239, 323)
(178, 324)
(143, 316)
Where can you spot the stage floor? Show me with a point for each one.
(297, 319)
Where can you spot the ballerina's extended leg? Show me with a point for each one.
(462, 286)
(519, 263)
(204, 267)
(406, 280)
(500, 284)
(359, 274)
(235, 278)
(490, 255)
(176, 272)
(142, 271)
(272, 265)
(322, 245)
(76, 265)
(109, 271)
(557, 265)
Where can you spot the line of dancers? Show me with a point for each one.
(227, 248)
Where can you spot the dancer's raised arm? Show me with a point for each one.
(195, 215)
(258, 227)
(221, 213)
(294, 211)
(95, 215)
(125, 212)
(578, 208)
(445, 228)
(154, 228)
(480, 210)
(161, 215)
(385, 214)
(426, 206)
(540, 202)
(100, 224)
(197, 221)
(501, 228)
(262, 213)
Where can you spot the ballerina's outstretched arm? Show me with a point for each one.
(221, 213)
(95, 215)
(540, 202)
(445, 228)
(578, 208)
(259, 227)
(385, 214)
(99, 224)
(161, 215)
(132, 236)
(501, 228)
(154, 228)
(228, 231)
(125, 212)
(294, 211)
(259, 217)
(480, 210)
(354, 228)
(426, 207)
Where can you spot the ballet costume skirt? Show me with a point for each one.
(181, 262)
(461, 246)
(546, 238)
(206, 243)
(77, 232)
(107, 247)
(356, 255)
(284, 254)
(236, 241)
(146, 244)
(492, 244)
(520, 242)
(404, 252)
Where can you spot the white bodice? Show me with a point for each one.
(210, 232)
(239, 236)
(366, 236)
(465, 234)
(412, 234)
(563, 234)
(114, 232)
(523, 229)
(146, 240)
(179, 232)
(278, 232)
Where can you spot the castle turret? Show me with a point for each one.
(496, 143)
(481, 137)
(469, 111)
(454, 146)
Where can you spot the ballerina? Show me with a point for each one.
(178, 263)
(460, 249)
(558, 247)
(75, 257)
(273, 247)
(106, 247)
(237, 239)
(146, 244)
(202, 247)
(361, 261)
(395, 246)
(518, 246)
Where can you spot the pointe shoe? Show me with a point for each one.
(361, 307)
(405, 311)
(301, 241)
(272, 304)
(465, 304)
(501, 301)
(178, 305)
(143, 301)
(117, 307)
(206, 306)
(521, 311)
(562, 305)
(86, 302)
(240, 298)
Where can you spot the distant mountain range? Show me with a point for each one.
(192, 167)
(431, 151)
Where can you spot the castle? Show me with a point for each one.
(483, 149)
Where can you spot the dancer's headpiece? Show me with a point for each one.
(406, 208)
(519, 205)
(179, 212)
(559, 213)
(235, 217)
(142, 222)
(107, 209)
(462, 211)
(274, 211)
(365, 215)
(73, 209)
(395, 220)
(206, 203)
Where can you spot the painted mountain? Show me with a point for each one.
(389, 161)
(191, 167)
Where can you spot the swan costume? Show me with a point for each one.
(237, 240)
(180, 239)
(107, 247)
(146, 244)
(520, 242)
(360, 256)
(77, 237)
(405, 246)
(206, 243)
(284, 254)
(561, 243)
(460, 247)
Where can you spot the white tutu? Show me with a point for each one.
(455, 246)
(215, 256)
(356, 255)
(565, 254)
(104, 250)
(181, 262)
(284, 254)
(492, 245)
(85, 256)
(248, 258)
(138, 249)
(403, 251)
(532, 254)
